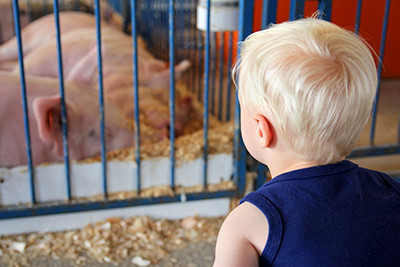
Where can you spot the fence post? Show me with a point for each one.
(245, 28)
(297, 9)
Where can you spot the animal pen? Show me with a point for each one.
(207, 162)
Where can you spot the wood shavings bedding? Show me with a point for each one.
(114, 240)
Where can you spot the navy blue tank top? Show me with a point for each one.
(331, 215)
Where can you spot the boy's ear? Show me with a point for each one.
(264, 130)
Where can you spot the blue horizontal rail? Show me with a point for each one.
(12, 212)
(372, 151)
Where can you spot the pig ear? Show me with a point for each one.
(181, 67)
(47, 113)
(85, 69)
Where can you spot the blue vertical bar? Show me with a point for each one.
(101, 97)
(136, 93)
(24, 101)
(206, 94)
(245, 28)
(213, 70)
(229, 81)
(171, 32)
(380, 62)
(261, 175)
(296, 9)
(270, 8)
(325, 8)
(62, 96)
(221, 73)
(358, 16)
(269, 12)
(200, 61)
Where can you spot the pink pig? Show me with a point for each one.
(42, 30)
(80, 57)
(45, 117)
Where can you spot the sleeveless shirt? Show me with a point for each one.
(332, 215)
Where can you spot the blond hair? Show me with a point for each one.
(314, 80)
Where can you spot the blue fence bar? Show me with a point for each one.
(206, 93)
(270, 8)
(325, 8)
(221, 72)
(46, 209)
(229, 78)
(269, 12)
(136, 93)
(64, 123)
(358, 16)
(213, 69)
(24, 100)
(171, 31)
(101, 96)
(200, 63)
(296, 9)
(240, 154)
(380, 62)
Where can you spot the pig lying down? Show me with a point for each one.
(80, 62)
(45, 122)
(43, 30)
(79, 51)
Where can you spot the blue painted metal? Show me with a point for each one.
(296, 9)
(240, 154)
(269, 12)
(200, 63)
(375, 151)
(229, 81)
(221, 73)
(325, 8)
(270, 8)
(206, 94)
(101, 96)
(136, 93)
(24, 100)
(213, 69)
(64, 123)
(46, 209)
(358, 17)
(172, 89)
(380, 62)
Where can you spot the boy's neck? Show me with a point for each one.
(279, 165)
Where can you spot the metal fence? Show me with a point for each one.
(169, 28)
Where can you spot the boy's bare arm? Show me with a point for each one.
(242, 237)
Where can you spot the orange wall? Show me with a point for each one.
(344, 14)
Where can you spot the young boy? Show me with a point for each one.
(306, 89)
